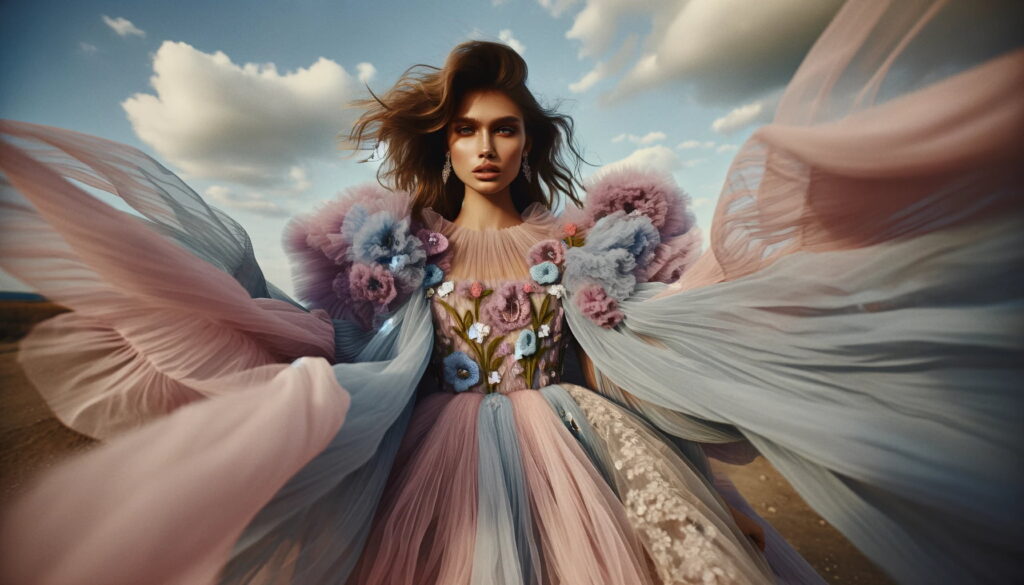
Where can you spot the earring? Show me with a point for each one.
(526, 168)
(447, 170)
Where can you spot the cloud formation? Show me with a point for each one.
(743, 116)
(686, 144)
(245, 124)
(658, 157)
(227, 198)
(506, 37)
(649, 138)
(87, 48)
(123, 27)
(709, 45)
(556, 7)
(607, 68)
(366, 72)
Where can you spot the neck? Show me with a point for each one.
(483, 212)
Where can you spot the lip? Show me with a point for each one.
(487, 168)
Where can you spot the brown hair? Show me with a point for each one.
(411, 120)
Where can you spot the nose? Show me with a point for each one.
(486, 145)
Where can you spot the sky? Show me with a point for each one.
(245, 100)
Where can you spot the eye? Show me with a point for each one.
(463, 130)
(507, 130)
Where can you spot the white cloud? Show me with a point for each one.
(724, 148)
(241, 123)
(556, 7)
(596, 25)
(506, 37)
(87, 48)
(700, 202)
(649, 138)
(658, 157)
(724, 49)
(123, 27)
(225, 197)
(604, 69)
(365, 72)
(688, 144)
(742, 117)
(300, 181)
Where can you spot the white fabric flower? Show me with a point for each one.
(445, 288)
(478, 331)
(494, 378)
(544, 331)
(556, 290)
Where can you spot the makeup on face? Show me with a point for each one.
(486, 141)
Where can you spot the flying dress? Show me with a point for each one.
(856, 319)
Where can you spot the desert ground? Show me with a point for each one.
(32, 440)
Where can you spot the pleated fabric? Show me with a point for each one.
(858, 316)
(134, 350)
(505, 551)
(856, 320)
(158, 504)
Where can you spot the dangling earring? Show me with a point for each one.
(526, 168)
(447, 170)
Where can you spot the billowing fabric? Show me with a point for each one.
(856, 320)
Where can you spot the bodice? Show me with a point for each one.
(496, 328)
(497, 337)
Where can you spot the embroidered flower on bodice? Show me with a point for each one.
(504, 337)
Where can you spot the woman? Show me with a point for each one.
(855, 288)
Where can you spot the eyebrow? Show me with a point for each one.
(503, 120)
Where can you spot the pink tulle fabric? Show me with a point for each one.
(837, 171)
(478, 249)
(159, 504)
(426, 521)
(153, 330)
(146, 314)
(582, 527)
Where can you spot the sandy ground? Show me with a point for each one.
(30, 441)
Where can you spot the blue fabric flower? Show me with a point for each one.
(544, 273)
(526, 345)
(432, 276)
(616, 248)
(461, 371)
(398, 262)
(383, 238)
(611, 269)
(633, 233)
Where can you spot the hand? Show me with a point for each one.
(749, 527)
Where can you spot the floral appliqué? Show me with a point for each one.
(682, 544)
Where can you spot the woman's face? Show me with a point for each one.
(486, 140)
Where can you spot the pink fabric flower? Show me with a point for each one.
(647, 192)
(527, 288)
(504, 348)
(372, 283)
(433, 242)
(470, 290)
(596, 305)
(508, 308)
(569, 229)
(547, 251)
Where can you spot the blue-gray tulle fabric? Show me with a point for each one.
(857, 320)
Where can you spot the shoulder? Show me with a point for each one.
(635, 226)
(361, 255)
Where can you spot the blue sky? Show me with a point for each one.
(244, 99)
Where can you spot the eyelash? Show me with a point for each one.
(508, 130)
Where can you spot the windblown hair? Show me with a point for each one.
(411, 119)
